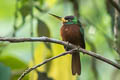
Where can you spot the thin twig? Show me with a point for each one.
(15, 18)
(44, 62)
(97, 56)
(76, 8)
(46, 39)
(94, 62)
(35, 39)
(31, 29)
(31, 33)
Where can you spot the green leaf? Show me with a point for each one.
(25, 11)
(4, 72)
(41, 2)
(24, 2)
(43, 30)
(13, 62)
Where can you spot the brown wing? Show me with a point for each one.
(72, 34)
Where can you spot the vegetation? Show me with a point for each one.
(29, 18)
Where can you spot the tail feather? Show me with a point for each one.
(76, 64)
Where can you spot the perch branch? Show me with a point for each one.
(35, 39)
(44, 62)
(46, 39)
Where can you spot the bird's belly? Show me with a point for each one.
(71, 34)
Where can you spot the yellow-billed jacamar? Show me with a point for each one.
(72, 31)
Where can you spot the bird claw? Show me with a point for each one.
(68, 43)
(66, 47)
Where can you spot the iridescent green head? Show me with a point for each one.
(70, 20)
(67, 19)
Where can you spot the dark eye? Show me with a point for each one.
(69, 20)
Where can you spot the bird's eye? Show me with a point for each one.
(69, 20)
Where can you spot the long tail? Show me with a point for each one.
(76, 64)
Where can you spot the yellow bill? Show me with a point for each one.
(60, 18)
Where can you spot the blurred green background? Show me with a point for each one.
(30, 18)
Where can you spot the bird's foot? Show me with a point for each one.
(67, 47)
(77, 48)
(68, 43)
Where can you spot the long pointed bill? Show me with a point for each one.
(60, 18)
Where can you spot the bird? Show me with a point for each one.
(72, 32)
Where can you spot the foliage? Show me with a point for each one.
(100, 37)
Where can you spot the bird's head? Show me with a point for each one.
(67, 19)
